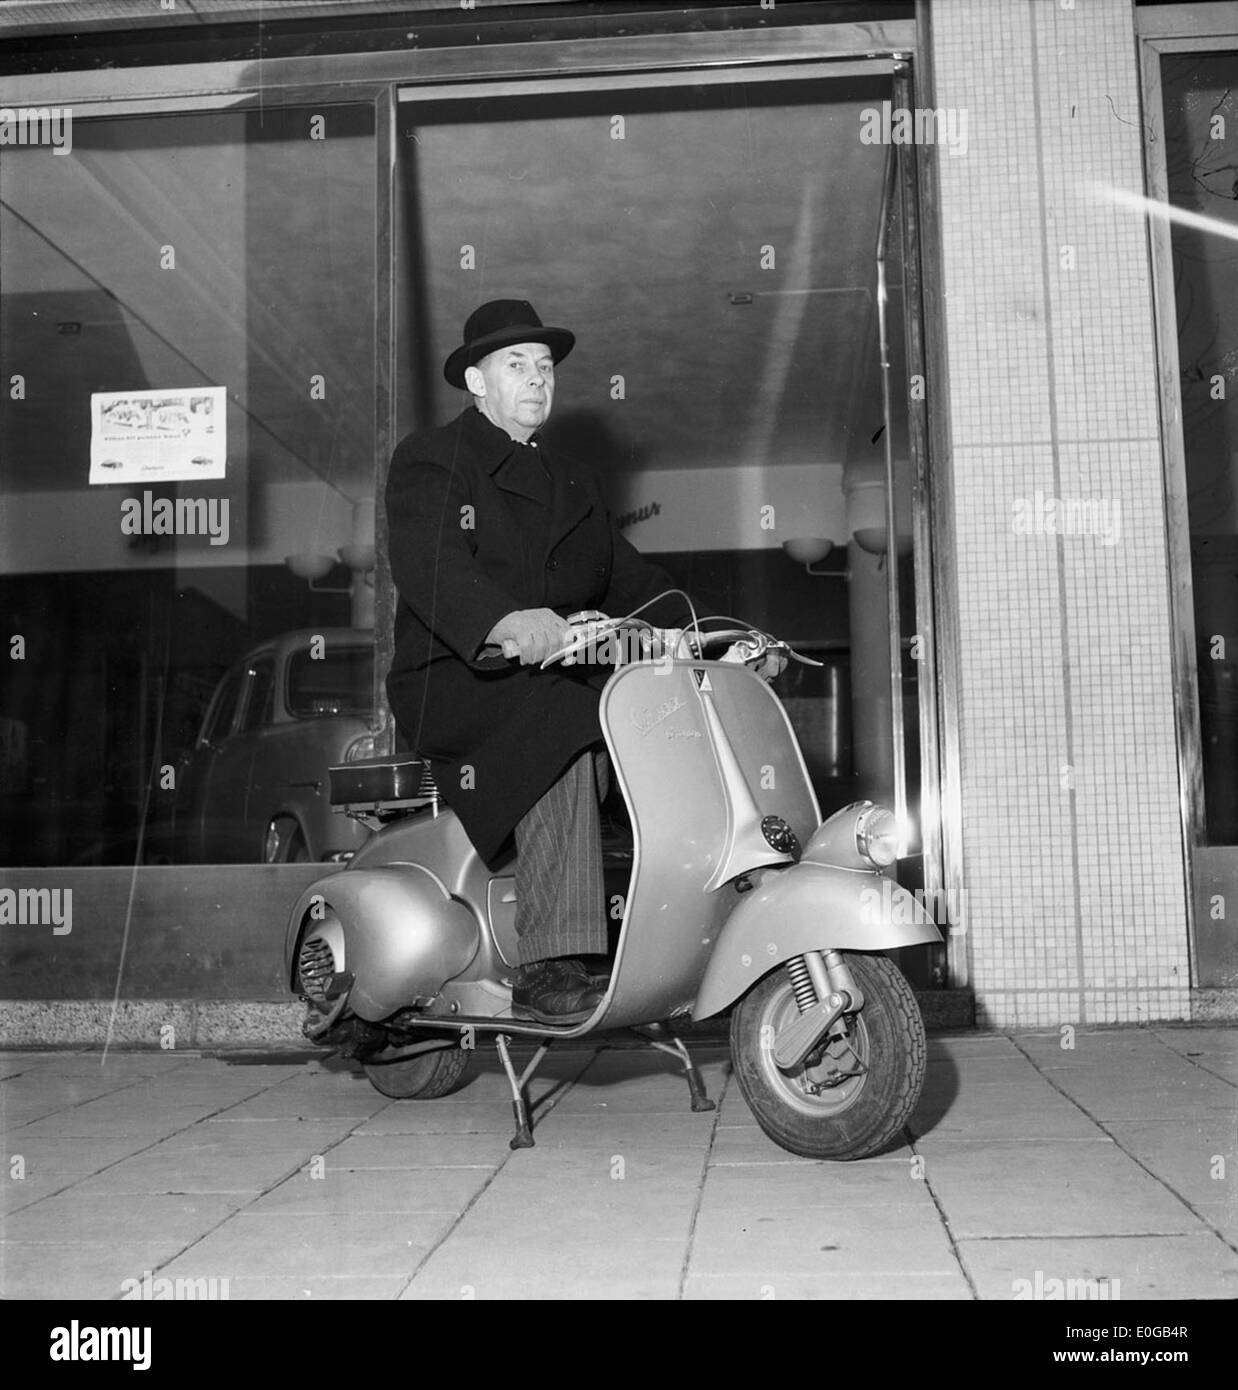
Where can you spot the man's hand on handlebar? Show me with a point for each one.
(771, 665)
(530, 634)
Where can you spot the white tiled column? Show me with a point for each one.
(1072, 842)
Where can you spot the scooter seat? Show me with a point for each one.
(393, 779)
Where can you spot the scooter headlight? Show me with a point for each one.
(876, 836)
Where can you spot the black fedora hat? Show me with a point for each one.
(498, 324)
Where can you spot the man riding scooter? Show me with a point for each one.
(493, 539)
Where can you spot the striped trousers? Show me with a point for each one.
(560, 894)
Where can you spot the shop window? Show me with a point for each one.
(189, 307)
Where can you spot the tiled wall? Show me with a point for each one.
(1072, 843)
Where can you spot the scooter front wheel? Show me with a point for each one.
(853, 1093)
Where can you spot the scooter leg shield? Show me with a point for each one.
(402, 935)
(808, 907)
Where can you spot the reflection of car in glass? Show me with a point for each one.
(255, 788)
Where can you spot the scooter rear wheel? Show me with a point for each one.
(851, 1096)
(423, 1076)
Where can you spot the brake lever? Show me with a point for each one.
(795, 656)
(590, 632)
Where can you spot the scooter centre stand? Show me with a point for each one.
(676, 1048)
(523, 1138)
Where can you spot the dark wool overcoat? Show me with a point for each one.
(476, 530)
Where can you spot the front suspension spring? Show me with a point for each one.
(801, 983)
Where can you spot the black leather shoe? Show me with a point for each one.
(597, 968)
(555, 991)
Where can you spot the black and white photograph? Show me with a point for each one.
(618, 666)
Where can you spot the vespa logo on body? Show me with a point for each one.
(646, 719)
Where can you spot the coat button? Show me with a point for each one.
(552, 564)
(600, 571)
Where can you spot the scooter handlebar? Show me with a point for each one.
(747, 646)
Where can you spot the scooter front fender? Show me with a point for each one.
(808, 907)
(403, 936)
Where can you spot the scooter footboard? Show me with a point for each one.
(402, 934)
(810, 907)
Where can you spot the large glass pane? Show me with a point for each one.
(208, 279)
(1201, 106)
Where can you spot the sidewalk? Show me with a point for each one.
(289, 1176)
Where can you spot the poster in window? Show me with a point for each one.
(166, 436)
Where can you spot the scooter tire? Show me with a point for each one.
(853, 1118)
(423, 1076)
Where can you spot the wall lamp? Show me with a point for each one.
(310, 567)
(811, 550)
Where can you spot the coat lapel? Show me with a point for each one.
(571, 501)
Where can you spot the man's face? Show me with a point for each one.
(514, 387)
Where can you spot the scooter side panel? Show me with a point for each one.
(809, 907)
(435, 842)
(658, 732)
(403, 936)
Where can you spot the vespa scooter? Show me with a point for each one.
(739, 897)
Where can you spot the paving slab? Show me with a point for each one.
(58, 1154)
(762, 1285)
(517, 1267)
(1081, 1047)
(451, 1116)
(623, 1132)
(748, 1144)
(771, 1232)
(20, 1094)
(527, 1235)
(262, 1244)
(160, 1171)
(214, 1136)
(1213, 1050)
(627, 1083)
(1107, 1099)
(77, 1270)
(280, 1103)
(112, 1118)
(1164, 1267)
(325, 1289)
(814, 1183)
(1198, 1158)
(109, 1065)
(403, 1152)
(374, 1192)
(17, 1194)
(1023, 1111)
(1051, 1188)
(73, 1217)
(1221, 1217)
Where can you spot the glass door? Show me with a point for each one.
(1193, 91)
